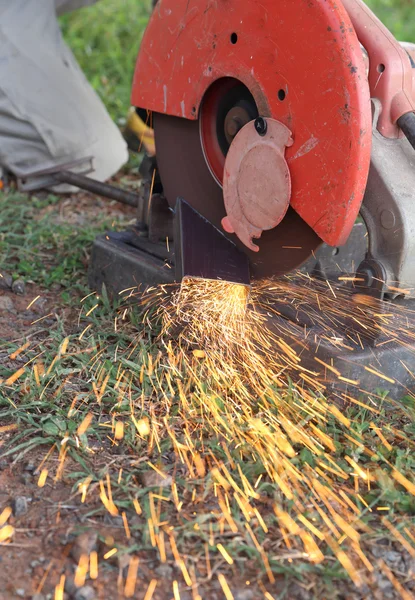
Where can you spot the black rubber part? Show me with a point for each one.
(407, 124)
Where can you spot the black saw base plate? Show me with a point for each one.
(122, 261)
(119, 265)
(367, 371)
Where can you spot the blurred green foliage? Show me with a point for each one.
(398, 15)
(105, 39)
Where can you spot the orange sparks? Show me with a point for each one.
(6, 533)
(85, 424)
(150, 590)
(81, 570)
(15, 376)
(42, 478)
(93, 565)
(225, 587)
(16, 353)
(225, 554)
(59, 589)
(131, 577)
(126, 527)
(110, 553)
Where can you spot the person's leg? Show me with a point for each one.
(49, 114)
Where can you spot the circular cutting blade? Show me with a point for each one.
(184, 173)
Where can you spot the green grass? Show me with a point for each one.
(398, 15)
(105, 39)
(38, 245)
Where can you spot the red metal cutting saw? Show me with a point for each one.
(279, 122)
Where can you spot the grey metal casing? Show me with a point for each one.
(389, 208)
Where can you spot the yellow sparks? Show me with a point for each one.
(84, 331)
(158, 471)
(16, 353)
(15, 376)
(408, 485)
(176, 593)
(380, 375)
(32, 302)
(150, 590)
(6, 532)
(225, 554)
(219, 371)
(363, 474)
(225, 587)
(131, 577)
(59, 589)
(4, 516)
(93, 565)
(83, 488)
(142, 426)
(64, 346)
(81, 570)
(119, 430)
(91, 310)
(85, 424)
(42, 478)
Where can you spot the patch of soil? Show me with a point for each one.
(52, 533)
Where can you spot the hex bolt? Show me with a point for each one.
(261, 126)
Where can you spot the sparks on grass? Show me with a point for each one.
(6, 533)
(245, 381)
(226, 390)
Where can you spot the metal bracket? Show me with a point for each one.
(388, 210)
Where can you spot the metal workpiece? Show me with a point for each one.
(202, 251)
(388, 210)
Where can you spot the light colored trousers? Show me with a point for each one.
(49, 114)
